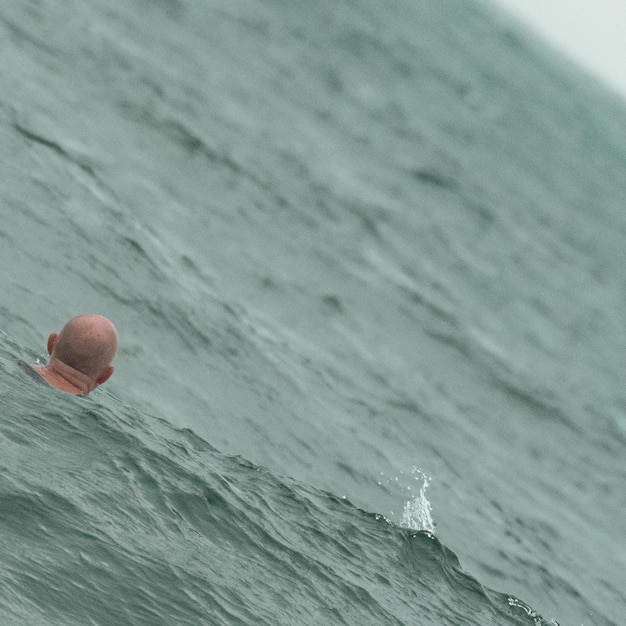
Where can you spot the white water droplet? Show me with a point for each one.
(417, 513)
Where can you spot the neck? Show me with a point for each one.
(66, 378)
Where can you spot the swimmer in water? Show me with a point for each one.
(80, 355)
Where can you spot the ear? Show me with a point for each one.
(52, 339)
(107, 372)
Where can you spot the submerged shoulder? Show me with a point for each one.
(34, 372)
(54, 379)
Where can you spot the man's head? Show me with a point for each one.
(86, 344)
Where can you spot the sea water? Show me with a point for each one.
(366, 264)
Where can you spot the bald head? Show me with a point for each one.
(86, 343)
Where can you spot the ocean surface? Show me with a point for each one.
(367, 263)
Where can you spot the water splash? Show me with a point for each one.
(539, 621)
(417, 513)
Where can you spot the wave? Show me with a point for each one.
(110, 515)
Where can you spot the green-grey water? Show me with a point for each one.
(366, 263)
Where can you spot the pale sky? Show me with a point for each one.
(591, 32)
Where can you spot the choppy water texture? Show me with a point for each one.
(366, 260)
